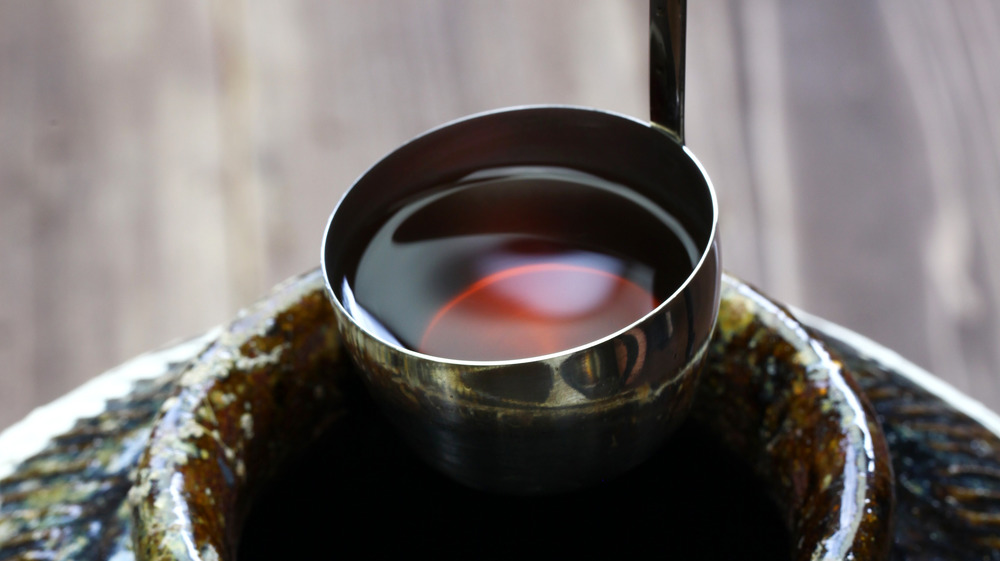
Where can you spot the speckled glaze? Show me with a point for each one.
(271, 383)
(946, 464)
(774, 393)
(68, 501)
(777, 397)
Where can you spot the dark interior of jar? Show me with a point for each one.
(360, 489)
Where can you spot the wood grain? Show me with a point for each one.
(162, 163)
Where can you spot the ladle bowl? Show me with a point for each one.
(560, 421)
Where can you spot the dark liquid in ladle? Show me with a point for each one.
(514, 263)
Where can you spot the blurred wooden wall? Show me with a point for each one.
(164, 162)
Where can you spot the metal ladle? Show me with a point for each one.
(560, 421)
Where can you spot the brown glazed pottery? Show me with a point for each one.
(257, 441)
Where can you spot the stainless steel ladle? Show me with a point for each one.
(564, 420)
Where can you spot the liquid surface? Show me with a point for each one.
(514, 263)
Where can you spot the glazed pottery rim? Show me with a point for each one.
(960, 400)
(704, 251)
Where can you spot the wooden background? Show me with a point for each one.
(164, 162)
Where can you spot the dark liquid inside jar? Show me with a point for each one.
(513, 263)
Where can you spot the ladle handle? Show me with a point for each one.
(667, 23)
